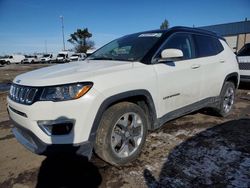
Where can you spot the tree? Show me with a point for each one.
(80, 39)
(164, 24)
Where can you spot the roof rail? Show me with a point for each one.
(195, 29)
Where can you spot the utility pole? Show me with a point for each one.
(45, 42)
(63, 32)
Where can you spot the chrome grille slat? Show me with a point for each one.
(13, 92)
(16, 94)
(23, 94)
(31, 95)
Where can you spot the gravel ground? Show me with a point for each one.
(197, 150)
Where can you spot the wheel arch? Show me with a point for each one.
(140, 97)
(232, 77)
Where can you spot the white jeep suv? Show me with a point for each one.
(136, 83)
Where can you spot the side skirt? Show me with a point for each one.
(210, 102)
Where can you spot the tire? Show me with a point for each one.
(8, 63)
(118, 142)
(227, 97)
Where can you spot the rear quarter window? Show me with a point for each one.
(207, 45)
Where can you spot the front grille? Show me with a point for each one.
(244, 66)
(23, 94)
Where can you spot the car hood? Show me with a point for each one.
(70, 72)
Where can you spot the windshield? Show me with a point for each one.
(28, 56)
(129, 48)
(61, 55)
(46, 55)
(4, 57)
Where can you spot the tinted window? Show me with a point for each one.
(129, 48)
(245, 51)
(220, 48)
(181, 41)
(207, 46)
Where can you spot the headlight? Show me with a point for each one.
(65, 92)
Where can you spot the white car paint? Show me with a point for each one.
(78, 57)
(189, 81)
(14, 59)
(30, 59)
(48, 58)
(63, 56)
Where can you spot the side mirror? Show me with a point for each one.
(171, 53)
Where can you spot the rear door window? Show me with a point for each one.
(207, 45)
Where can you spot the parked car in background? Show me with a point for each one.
(13, 59)
(63, 56)
(128, 87)
(2, 59)
(90, 51)
(48, 58)
(78, 57)
(30, 59)
(244, 63)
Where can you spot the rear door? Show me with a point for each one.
(179, 81)
(213, 61)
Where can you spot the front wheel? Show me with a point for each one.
(121, 133)
(227, 97)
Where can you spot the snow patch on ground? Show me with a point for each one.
(215, 157)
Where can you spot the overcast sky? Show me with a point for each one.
(29, 26)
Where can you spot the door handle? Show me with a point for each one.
(222, 61)
(195, 66)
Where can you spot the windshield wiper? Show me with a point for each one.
(102, 58)
(109, 58)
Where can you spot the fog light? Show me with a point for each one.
(56, 127)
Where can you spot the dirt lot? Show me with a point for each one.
(197, 150)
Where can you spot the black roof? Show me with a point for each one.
(194, 30)
(186, 29)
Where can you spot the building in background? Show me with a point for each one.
(236, 34)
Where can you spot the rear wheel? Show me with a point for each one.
(227, 97)
(121, 134)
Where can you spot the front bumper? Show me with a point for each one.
(2, 62)
(29, 132)
(245, 78)
(35, 145)
(61, 60)
(245, 75)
